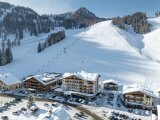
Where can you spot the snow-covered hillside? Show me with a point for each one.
(102, 48)
(152, 40)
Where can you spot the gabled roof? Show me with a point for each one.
(83, 75)
(138, 88)
(46, 78)
(57, 114)
(9, 79)
(61, 114)
(110, 81)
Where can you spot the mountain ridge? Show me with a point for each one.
(19, 19)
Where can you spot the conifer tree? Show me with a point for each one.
(8, 55)
(39, 48)
(9, 43)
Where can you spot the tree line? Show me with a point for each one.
(22, 19)
(137, 20)
(157, 14)
(81, 18)
(51, 40)
(6, 56)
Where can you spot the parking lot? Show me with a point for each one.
(110, 101)
(18, 111)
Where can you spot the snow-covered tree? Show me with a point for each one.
(9, 43)
(30, 102)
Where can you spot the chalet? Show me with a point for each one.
(81, 84)
(110, 85)
(45, 82)
(9, 82)
(58, 92)
(138, 96)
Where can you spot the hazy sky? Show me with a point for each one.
(102, 8)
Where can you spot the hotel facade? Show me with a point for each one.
(81, 84)
(138, 96)
(43, 83)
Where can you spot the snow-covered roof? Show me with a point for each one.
(9, 79)
(110, 81)
(83, 75)
(46, 78)
(158, 90)
(61, 114)
(57, 114)
(138, 88)
(58, 90)
(33, 107)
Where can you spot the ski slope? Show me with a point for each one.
(101, 48)
(152, 40)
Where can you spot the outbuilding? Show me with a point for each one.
(9, 82)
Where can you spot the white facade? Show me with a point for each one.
(81, 82)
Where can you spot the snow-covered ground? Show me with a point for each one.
(105, 113)
(152, 40)
(102, 48)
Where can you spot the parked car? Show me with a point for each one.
(53, 96)
(23, 109)
(71, 99)
(15, 113)
(110, 104)
(46, 105)
(7, 104)
(54, 105)
(83, 102)
(4, 118)
(18, 99)
(118, 105)
(5, 107)
(12, 103)
(79, 100)
(40, 95)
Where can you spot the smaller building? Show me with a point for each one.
(9, 82)
(58, 92)
(137, 96)
(57, 113)
(43, 83)
(110, 84)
